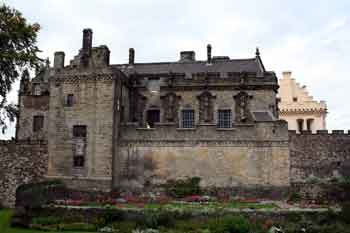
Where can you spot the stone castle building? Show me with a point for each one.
(138, 124)
(298, 108)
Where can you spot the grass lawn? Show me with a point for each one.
(5, 217)
(191, 206)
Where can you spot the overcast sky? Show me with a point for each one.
(310, 38)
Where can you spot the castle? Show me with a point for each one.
(138, 124)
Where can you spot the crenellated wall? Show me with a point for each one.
(323, 154)
(20, 162)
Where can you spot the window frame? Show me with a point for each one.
(77, 128)
(70, 100)
(148, 118)
(38, 126)
(226, 122)
(188, 121)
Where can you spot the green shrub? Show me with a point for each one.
(184, 187)
(35, 195)
(154, 220)
(229, 224)
(49, 220)
(294, 197)
(78, 226)
(345, 212)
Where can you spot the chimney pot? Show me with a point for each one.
(209, 53)
(131, 56)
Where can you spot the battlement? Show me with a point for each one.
(23, 142)
(320, 132)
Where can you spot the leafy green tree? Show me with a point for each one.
(18, 52)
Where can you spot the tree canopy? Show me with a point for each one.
(18, 52)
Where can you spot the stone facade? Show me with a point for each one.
(21, 162)
(298, 108)
(138, 124)
(323, 155)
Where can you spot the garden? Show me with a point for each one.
(182, 207)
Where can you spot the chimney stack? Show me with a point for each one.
(287, 74)
(58, 62)
(187, 56)
(131, 56)
(209, 53)
(87, 41)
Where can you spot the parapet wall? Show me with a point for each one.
(323, 155)
(20, 162)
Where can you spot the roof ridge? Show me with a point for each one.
(187, 62)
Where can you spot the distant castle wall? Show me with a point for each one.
(20, 162)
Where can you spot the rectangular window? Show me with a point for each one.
(224, 118)
(187, 118)
(70, 100)
(153, 116)
(36, 89)
(300, 123)
(79, 131)
(38, 123)
(78, 161)
(309, 123)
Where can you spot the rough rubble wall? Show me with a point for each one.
(20, 162)
(323, 155)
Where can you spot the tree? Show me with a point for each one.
(18, 52)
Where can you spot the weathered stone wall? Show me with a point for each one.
(20, 162)
(256, 154)
(93, 107)
(323, 155)
(30, 106)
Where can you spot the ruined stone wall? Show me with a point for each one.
(323, 155)
(20, 162)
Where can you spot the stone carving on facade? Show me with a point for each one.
(170, 105)
(206, 107)
(137, 106)
(242, 107)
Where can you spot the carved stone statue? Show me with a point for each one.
(137, 106)
(170, 105)
(206, 107)
(242, 107)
